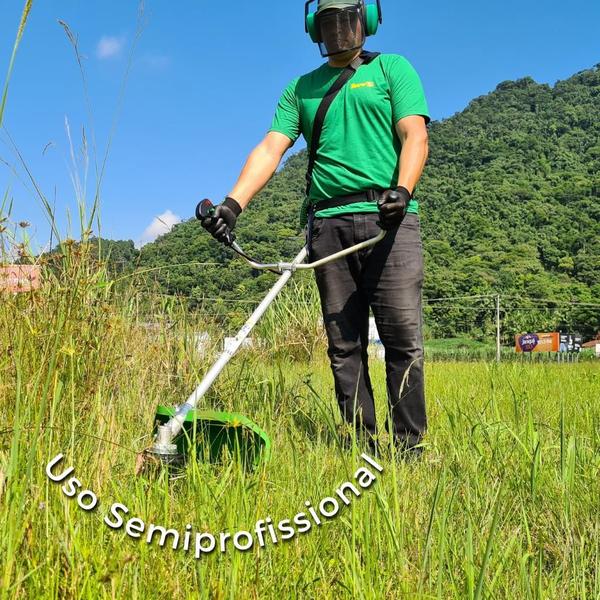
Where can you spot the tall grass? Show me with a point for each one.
(504, 504)
(21, 29)
(292, 327)
(9, 245)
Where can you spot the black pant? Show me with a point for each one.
(388, 278)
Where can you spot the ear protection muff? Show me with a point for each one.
(372, 18)
(311, 27)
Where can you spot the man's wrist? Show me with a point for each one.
(404, 191)
(233, 205)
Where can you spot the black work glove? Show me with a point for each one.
(221, 223)
(392, 207)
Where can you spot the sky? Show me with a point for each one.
(180, 94)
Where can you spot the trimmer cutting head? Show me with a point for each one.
(151, 462)
(211, 436)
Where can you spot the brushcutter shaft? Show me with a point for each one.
(163, 442)
(175, 424)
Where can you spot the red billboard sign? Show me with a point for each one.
(537, 342)
(20, 278)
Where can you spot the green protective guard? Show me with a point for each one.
(213, 436)
(311, 26)
(372, 19)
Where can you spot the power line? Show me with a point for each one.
(535, 304)
(505, 307)
(459, 298)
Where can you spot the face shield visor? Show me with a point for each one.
(340, 30)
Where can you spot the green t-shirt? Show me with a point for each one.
(359, 147)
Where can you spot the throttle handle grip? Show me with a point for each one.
(205, 209)
(392, 196)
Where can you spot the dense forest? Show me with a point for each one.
(509, 205)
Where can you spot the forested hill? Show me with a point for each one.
(510, 203)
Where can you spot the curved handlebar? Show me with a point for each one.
(283, 266)
(206, 209)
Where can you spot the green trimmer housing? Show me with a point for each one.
(218, 436)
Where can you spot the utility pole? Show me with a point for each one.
(498, 356)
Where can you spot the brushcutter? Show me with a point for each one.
(184, 430)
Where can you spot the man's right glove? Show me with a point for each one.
(392, 207)
(221, 223)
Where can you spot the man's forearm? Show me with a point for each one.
(413, 157)
(259, 168)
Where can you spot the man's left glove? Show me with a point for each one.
(392, 207)
(221, 223)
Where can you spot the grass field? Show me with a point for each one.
(504, 504)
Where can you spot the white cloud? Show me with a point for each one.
(161, 224)
(109, 47)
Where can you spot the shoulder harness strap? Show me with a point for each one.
(328, 98)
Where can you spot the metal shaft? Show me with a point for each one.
(163, 442)
(175, 424)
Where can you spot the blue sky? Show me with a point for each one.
(204, 83)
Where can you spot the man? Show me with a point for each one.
(371, 154)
